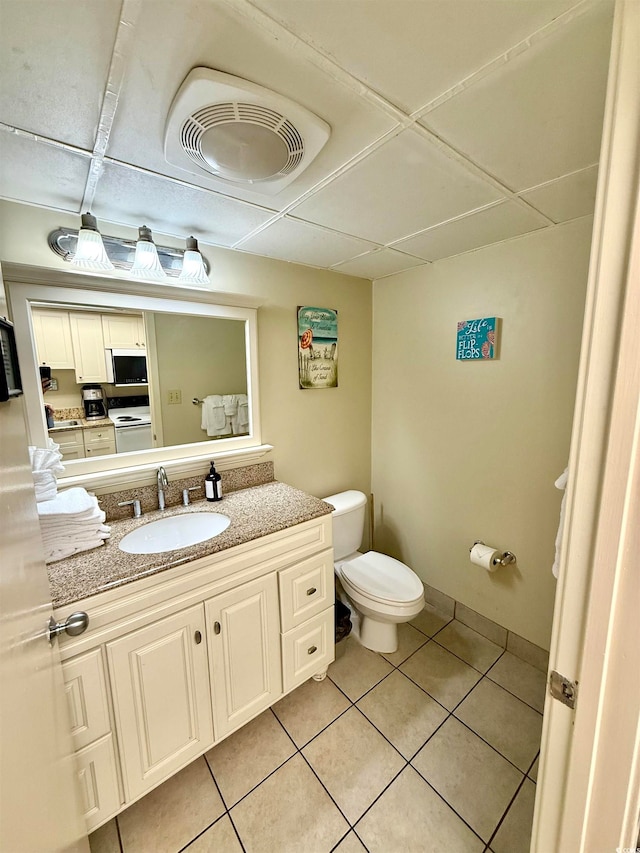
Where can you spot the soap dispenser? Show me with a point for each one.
(213, 484)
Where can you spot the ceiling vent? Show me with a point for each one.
(239, 133)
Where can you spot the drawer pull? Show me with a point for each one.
(312, 649)
(198, 638)
(312, 590)
(216, 627)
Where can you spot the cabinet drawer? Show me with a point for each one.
(103, 448)
(98, 436)
(308, 649)
(68, 437)
(86, 692)
(96, 769)
(306, 589)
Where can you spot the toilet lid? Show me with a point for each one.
(378, 576)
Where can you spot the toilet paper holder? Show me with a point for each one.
(507, 558)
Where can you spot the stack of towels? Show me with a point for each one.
(70, 521)
(46, 462)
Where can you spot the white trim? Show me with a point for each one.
(589, 780)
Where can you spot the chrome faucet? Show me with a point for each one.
(163, 482)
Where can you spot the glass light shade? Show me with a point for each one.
(146, 263)
(90, 252)
(193, 268)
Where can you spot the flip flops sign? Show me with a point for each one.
(477, 339)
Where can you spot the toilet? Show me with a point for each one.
(383, 591)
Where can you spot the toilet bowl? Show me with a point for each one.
(382, 591)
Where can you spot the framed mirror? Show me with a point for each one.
(165, 375)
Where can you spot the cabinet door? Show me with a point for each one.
(52, 332)
(99, 442)
(98, 778)
(161, 698)
(123, 331)
(88, 347)
(244, 652)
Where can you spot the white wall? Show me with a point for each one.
(470, 450)
(322, 438)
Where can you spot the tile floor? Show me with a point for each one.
(432, 748)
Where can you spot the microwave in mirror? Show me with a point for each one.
(126, 367)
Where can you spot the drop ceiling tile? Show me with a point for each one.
(539, 116)
(404, 186)
(177, 37)
(568, 198)
(135, 198)
(41, 174)
(479, 229)
(54, 62)
(300, 242)
(404, 50)
(378, 264)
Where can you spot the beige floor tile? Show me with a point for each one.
(309, 708)
(430, 620)
(105, 839)
(467, 644)
(402, 712)
(290, 812)
(441, 674)
(533, 773)
(521, 679)
(358, 670)
(411, 818)
(514, 836)
(247, 756)
(505, 722)
(409, 640)
(221, 838)
(350, 844)
(473, 778)
(353, 761)
(172, 814)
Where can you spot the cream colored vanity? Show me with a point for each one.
(175, 661)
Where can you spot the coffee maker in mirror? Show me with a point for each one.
(93, 402)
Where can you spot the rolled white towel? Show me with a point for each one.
(46, 486)
(46, 458)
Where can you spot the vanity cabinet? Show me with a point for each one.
(123, 331)
(192, 654)
(52, 332)
(99, 441)
(88, 347)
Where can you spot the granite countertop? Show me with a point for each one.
(82, 423)
(254, 512)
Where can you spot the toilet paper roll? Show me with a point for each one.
(484, 556)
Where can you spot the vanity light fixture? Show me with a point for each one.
(121, 252)
(146, 263)
(90, 253)
(193, 269)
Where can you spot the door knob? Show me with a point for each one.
(74, 625)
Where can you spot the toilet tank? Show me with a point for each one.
(348, 521)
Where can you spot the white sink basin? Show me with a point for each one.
(66, 423)
(173, 532)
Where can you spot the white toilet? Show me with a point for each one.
(382, 590)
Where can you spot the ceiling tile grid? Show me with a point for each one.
(378, 264)
(567, 198)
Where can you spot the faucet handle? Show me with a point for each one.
(185, 494)
(137, 511)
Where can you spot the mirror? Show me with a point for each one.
(198, 360)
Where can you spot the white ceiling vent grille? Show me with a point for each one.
(236, 132)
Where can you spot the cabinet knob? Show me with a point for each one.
(198, 638)
(216, 627)
(312, 590)
(312, 649)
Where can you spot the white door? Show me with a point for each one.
(243, 632)
(39, 802)
(160, 682)
(588, 797)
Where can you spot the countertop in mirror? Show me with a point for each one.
(254, 512)
(82, 423)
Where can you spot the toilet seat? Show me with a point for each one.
(382, 578)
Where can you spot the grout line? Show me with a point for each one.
(511, 802)
(227, 810)
(118, 833)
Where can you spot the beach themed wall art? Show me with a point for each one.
(478, 339)
(317, 347)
